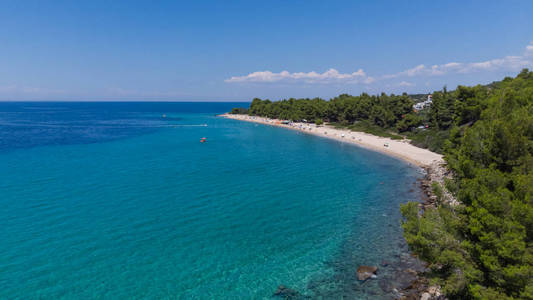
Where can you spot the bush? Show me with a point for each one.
(239, 111)
(437, 190)
(431, 139)
(367, 127)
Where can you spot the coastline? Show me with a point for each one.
(401, 149)
(432, 163)
(416, 286)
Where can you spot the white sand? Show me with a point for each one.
(398, 148)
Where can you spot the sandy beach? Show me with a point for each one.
(397, 148)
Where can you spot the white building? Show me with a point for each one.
(423, 104)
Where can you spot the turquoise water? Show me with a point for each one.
(142, 209)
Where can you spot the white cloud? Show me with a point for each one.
(415, 71)
(369, 80)
(406, 83)
(329, 76)
(507, 63)
(421, 74)
(420, 69)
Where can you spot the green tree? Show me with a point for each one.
(487, 242)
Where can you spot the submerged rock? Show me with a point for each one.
(386, 285)
(286, 293)
(366, 272)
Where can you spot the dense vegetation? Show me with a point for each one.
(483, 248)
(389, 112)
(239, 111)
(383, 115)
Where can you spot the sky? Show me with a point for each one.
(237, 50)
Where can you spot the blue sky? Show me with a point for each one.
(237, 50)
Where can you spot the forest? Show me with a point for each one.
(482, 248)
(385, 115)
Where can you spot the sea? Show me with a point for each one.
(121, 200)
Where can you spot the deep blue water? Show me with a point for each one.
(113, 200)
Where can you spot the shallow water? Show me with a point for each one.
(113, 200)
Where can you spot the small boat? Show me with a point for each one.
(164, 116)
(202, 140)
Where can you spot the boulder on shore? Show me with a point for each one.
(365, 272)
(425, 296)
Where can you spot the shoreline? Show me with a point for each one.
(401, 149)
(433, 164)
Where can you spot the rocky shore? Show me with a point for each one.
(404, 276)
(436, 174)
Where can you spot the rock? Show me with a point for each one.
(285, 292)
(365, 272)
(411, 271)
(432, 290)
(386, 285)
(280, 289)
(425, 296)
